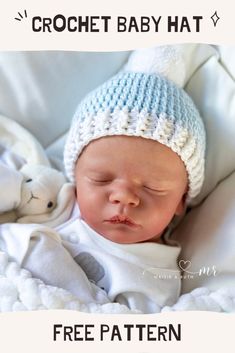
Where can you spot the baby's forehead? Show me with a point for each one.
(132, 154)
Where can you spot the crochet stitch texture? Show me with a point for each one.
(145, 105)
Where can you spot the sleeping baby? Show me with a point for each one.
(135, 152)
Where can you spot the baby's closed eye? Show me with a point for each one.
(155, 189)
(102, 179)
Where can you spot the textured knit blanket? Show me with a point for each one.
(20, 291)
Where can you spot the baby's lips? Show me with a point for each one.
(122, 219)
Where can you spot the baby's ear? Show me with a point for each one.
(180, 209)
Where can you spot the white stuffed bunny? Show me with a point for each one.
(39, 190)
(34, 194)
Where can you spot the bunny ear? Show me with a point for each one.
(165, 60)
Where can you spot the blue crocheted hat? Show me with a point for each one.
(145, 105)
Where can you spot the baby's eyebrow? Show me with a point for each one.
(163, 182)
(159, 184)
(98, 171)
(158, 176)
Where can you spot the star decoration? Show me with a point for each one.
(215, 18)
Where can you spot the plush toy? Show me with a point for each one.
(34, 194)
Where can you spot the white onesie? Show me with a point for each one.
(143, 276)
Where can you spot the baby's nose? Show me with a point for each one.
(124, 196)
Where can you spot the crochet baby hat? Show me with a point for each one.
(140, 104)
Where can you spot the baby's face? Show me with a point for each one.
(129, 188)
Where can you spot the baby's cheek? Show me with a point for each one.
(89, 204)
(83, 193)
(161, 217)
(86, 210)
